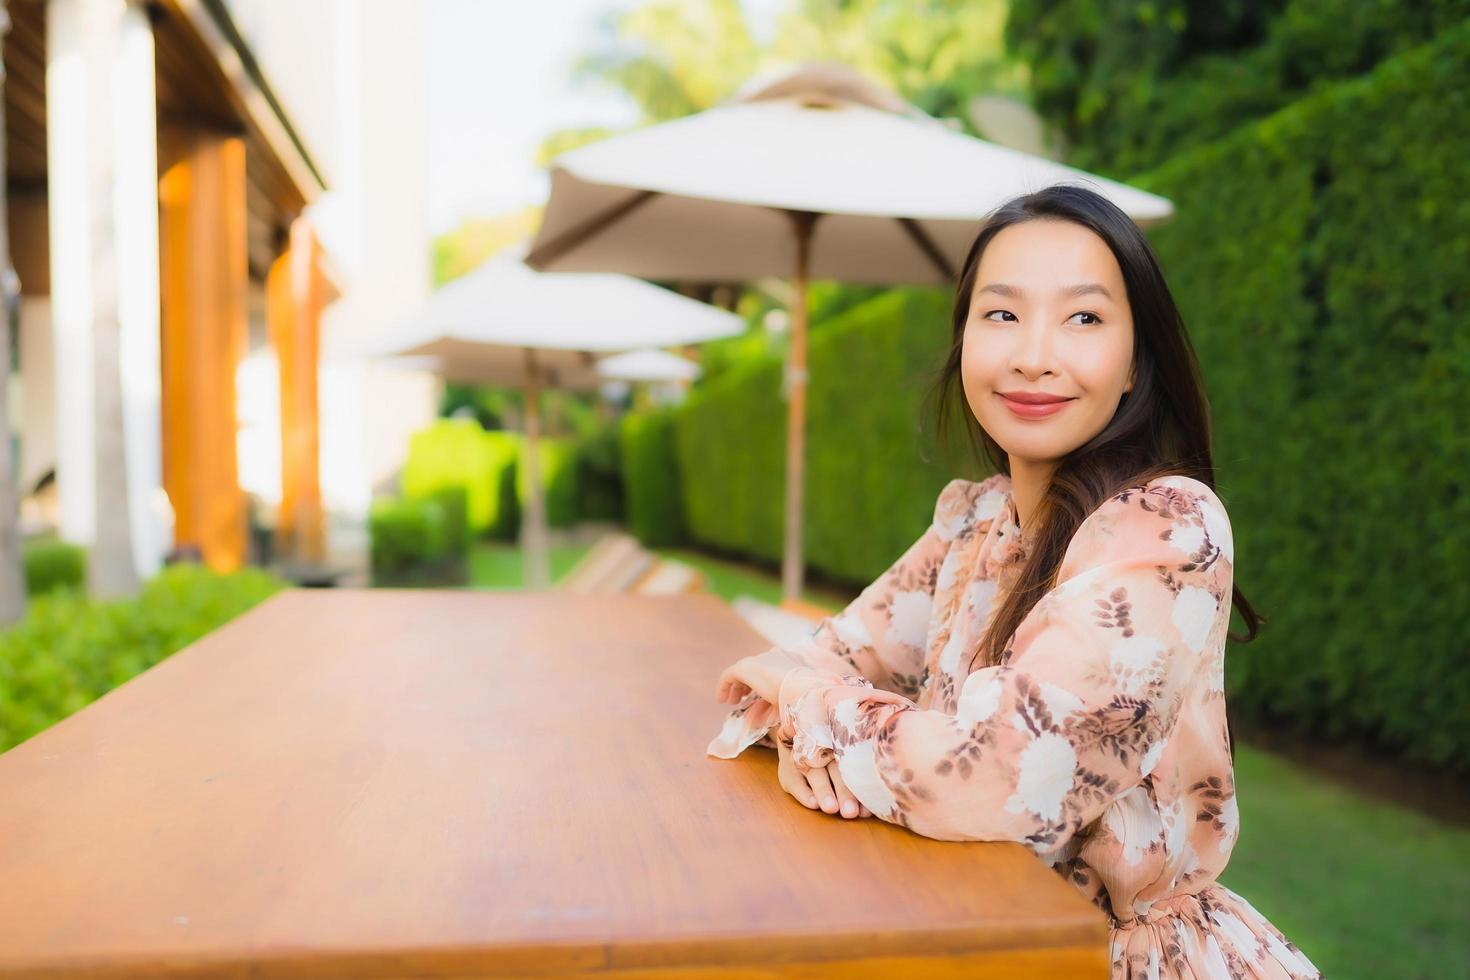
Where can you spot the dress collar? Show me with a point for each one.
(1008, 546)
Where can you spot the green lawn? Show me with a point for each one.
(1366, 889)
(728, 579)
(499, 566)
(495, 565)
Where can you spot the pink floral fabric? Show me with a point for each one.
(1099, 742)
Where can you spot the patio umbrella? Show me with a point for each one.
(648, 365)
(665, 376)
(507, 324)
(819, 173)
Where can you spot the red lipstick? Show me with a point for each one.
(1032, 404)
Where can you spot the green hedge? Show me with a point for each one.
(871, 462)
(505, 519)
(1133, 83)
(453, 501)
(1320, 258)
(653, 508)
(69, 651)
(420, 541)
(560, 474)
(51, 564)
(601, 474)
(458, 452)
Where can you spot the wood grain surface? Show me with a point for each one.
(405, 783)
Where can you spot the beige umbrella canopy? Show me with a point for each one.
(818, 173)
(648, 364)
(506, 324)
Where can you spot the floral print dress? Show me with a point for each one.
(1099, 742)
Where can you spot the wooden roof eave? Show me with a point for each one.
(250, 96)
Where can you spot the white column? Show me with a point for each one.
(135, 192)
(73, 124)
(69, 199)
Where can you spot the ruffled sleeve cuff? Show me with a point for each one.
(804, 720)
(751, 722)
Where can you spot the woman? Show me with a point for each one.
(1046, 664)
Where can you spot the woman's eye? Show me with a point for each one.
(1008, 313)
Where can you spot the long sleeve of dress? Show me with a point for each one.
(880, 637)
(1081, 706)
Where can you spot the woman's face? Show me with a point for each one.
(1048, 315)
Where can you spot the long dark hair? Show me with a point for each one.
(1161, 427)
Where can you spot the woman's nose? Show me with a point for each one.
(1033, 353)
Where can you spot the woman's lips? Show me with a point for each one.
(1025, 411)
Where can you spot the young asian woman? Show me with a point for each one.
(1045, 664)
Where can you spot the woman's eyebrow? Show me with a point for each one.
(1015, 292)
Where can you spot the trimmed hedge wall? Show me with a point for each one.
(872, 467)
(601, 478)
(420, 540)
(504, 523)
(651, 484)
(1135, 82)
(1320, 257)
(560, 471)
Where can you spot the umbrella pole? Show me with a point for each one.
(534, 550)
(791, 557)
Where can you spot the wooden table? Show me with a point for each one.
(454, 784)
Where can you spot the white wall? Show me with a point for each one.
(350, 74)
(258, 408)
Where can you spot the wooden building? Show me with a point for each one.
(156, 190)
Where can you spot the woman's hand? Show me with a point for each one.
(761, 673)
(819, 787)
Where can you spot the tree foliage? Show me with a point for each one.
(678, 57)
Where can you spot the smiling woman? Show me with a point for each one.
(1045, 664)
(1039, 356)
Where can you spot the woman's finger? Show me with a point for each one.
(791, 780)
(845, 799)
(822, 786)
(731, 689)
(804, 794)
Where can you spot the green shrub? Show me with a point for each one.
(601, 479)
(454, 502)
(559, 480)
(68, 651)
(457, 452)
(413, 543)
(53, 564)
(505, 521)
(655, 512)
